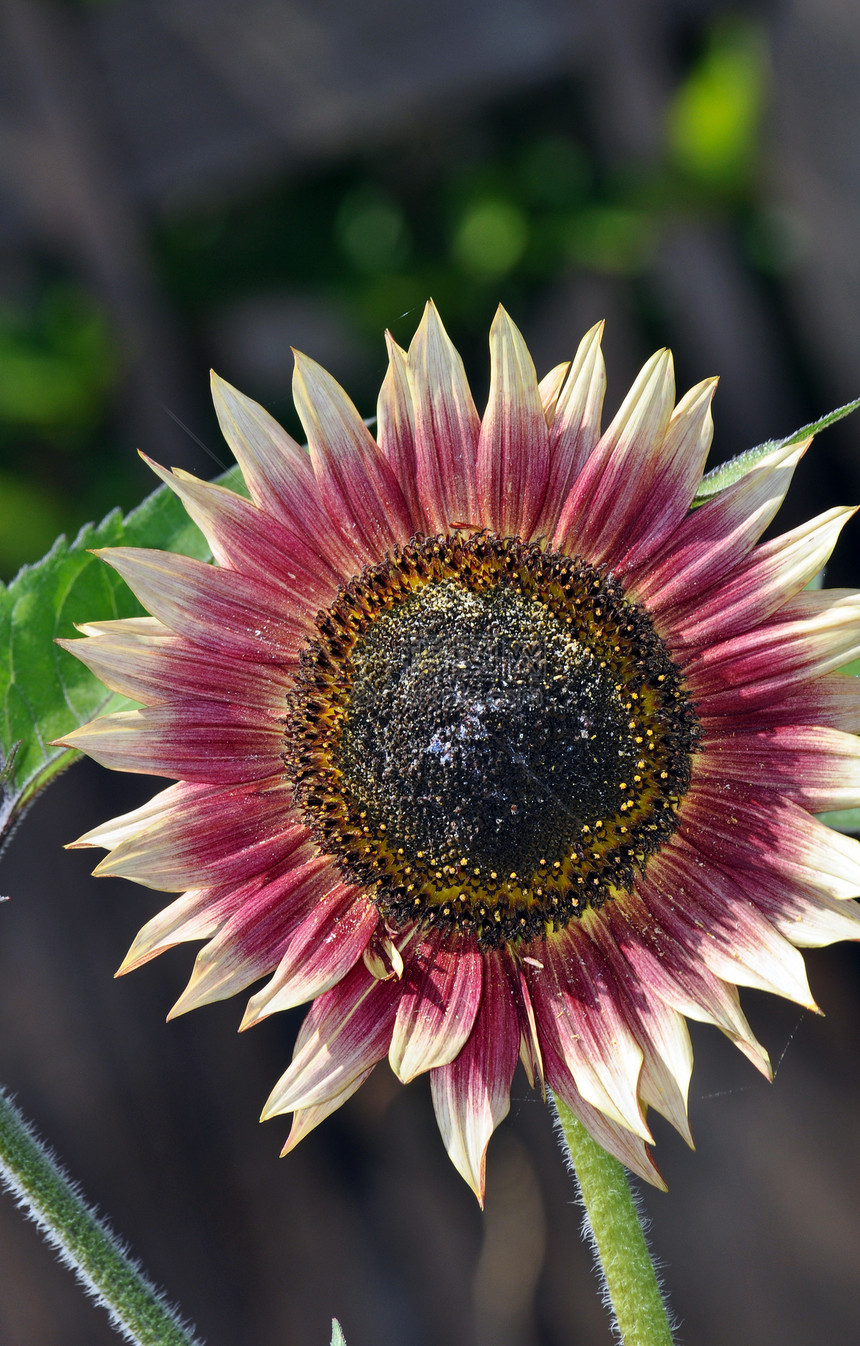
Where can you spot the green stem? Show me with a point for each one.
(619, 1242)
(137, 1310)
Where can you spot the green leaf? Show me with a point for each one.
(337, 1337)
(44, 691)
(726, 474)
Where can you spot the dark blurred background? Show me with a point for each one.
(186, 183)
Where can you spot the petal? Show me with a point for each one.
(208, 742)
(305, 1119)
(215, 608)
(446, 427)
(661, 954)
(197, 914)
(616, 1140)
(439, 1001)
(278, 473)
(252, 942)
(395, 419)
(579, 1015)
(816, 767)
(741, 830)
(358, 488)
(611, 489)
(832, 701)
(513, 448)
(471, 1094)
(119, 829)
(550, 388)
(345, 1032)
(676, 478)
(575, 426)
(213, 835)
(243, 537)
(776, 572)
(814, 633)
(715, 537)
(660, 1030)
(727, 931)
(322, 949)
(155, 669)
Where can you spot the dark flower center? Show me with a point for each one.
(488, 735)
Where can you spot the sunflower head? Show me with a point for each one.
(485, 741)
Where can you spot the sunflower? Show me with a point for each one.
(486, 742)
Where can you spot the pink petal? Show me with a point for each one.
(728, 933)
(832, 701)
(278, 474)
(215, 608)
(358, 488)
(305, 1119)
(213, 835)
(751, 593)
(718, 535)
(579, 1017)
(345, 1032)
(743, 830)
(395, 419)
(198, 914)
(471, 1094)
(513, 448)
(616, 1140)
(676, 478)
(611, 489)
(440, 996)
(322, 949)
(814, 633)
(574, 427)
(243, 537)
(208, 741)
(662, 955)
(252, 942)
(816, 767)
(164, 667)
(446, 427)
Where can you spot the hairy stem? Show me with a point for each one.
(82, 1240)
(612, 1222)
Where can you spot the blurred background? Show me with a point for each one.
(186, 183)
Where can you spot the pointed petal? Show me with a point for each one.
(278, 473)
(814, 633)
(446, 427)
(213, 835)
(215, 608)
(243, 537)
(513, 448)
(776, 572)
(676, 477)
(816, 767)
(395, 419)
(441, 992)
(578, 1013)
(471, 1094)
(728, 933)
(345, 1032)
(358, 488)
(116, 830)
(155, 669)
(616, 1140)
(209, 742)
(550, 387)
(662, 955)
(252, 942)
(575, 427)
(718, 535)
(197, 914)
(322, 949)
(305, 1119)
(611, 489)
